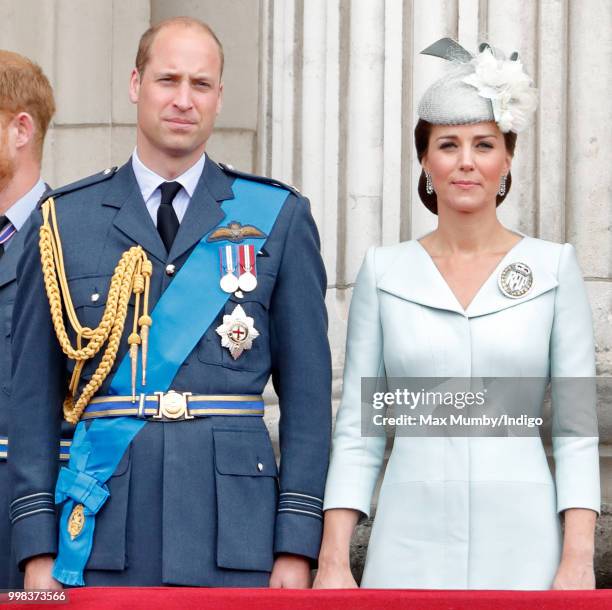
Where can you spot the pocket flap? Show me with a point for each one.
(262, 293)
(244, 452)
(89, 291)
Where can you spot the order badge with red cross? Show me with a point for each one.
(237, 332)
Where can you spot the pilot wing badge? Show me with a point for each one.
(236, 233)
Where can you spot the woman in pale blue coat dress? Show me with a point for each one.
(471, 299)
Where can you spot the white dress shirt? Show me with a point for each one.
(149, 183)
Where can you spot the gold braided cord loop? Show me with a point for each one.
(131, 276)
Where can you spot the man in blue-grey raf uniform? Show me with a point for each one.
(26, 108)
(164, 295)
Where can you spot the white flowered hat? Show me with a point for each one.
(482, 87)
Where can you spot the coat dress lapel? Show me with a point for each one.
(421, 282)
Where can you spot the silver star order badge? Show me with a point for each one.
(516, 280)
(237, 332)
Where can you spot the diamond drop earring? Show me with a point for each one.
(428, 184)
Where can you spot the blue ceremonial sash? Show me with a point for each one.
(184, 312)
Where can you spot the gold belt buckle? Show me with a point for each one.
(172, 405)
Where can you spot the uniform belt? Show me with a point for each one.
(64, 451)
(174, 406)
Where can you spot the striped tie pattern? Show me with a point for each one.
(7, 230)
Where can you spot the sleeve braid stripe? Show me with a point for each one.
(33, 512)
(302, 512)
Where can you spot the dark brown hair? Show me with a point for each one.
(146, 40)
(422, 132)
(25, 88)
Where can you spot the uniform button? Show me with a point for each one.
(259, 466)
(107, 171)
(94, 297)
(170, 269)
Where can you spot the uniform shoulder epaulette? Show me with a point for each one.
(84, 182)
(229, 169)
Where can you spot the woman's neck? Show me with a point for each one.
(461, 232)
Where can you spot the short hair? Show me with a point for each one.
(25, 88)
(146, 40)
(422, 132)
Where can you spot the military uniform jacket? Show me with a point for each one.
(195, 502)
(8, 288)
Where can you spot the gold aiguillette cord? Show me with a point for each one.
(132, 275)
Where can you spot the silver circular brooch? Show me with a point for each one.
(516, 280)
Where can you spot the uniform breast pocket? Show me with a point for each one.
(243, 340)
(89, 295)
(246, 484)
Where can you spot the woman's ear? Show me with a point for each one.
(508, 165)
(424, 164)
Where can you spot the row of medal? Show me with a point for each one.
(238, 273)
(238, 268)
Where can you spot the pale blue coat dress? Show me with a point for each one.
(464, 513)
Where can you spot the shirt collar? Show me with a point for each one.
(149, 181)
(19, 212)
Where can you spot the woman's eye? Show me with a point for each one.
(447, 145)
(485, 145)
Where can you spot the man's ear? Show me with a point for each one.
(220, 100)
(134, 86)
(25, 129)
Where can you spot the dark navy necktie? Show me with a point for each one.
(167, 220)
(7, 230)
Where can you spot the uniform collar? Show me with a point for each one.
(420, 280)
(19, 212)
(149, 181)
(203, 213)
